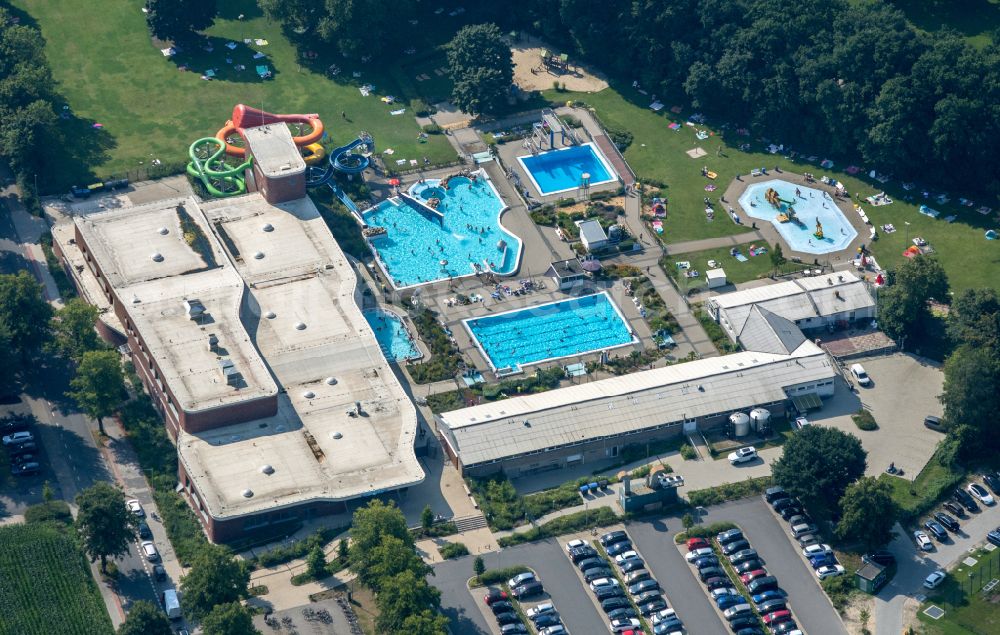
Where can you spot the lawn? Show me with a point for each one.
(109, 72)
(755, 267)
(658, 153)
(45, 584)
(919, 495)
(967, 610)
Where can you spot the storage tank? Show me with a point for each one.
(761, 419)
(741, 424)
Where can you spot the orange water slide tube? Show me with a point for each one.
(247, 117)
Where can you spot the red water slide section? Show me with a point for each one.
(246, 117)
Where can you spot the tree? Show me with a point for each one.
(370, 526)
(231, 618)
(971, 396)
(342, 550)
(903, 307)
(107, 527)
(426, 622)
(73, 329)
(817, 464)
(481, 67)
(178, 20)
(145, 618)
(391, 557)
(24, 314)
(426, 518)
(353, 26)
(478, 566)
(316, 563)
(215, 578)
(974, 319)
(98, 384)
(687, 521)
(777, 257)
(401, 596)
(867, 513)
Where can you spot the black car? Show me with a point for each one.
(935, 528)
(606, 592)
(950, 523)
(24, 458)
(614, 603)
(742, 556)
(772, 494)
(28, 447)
(632, 564)
(159, 572)
(507, 618)
(626, 612)
(144, 531)
(762, 584)
(727, 537)
(742, 622)
(527, 590)
(613, 537)
(710, 572)
(789, 512)
(647, 596)
(782, 503)
(591, 563)
(749, 565)
(965, 500)
(582, 553)
(736, 545)
(934, 423)
(651, 607)
(994, 537)
(25, 469)
(750, 631)
(785, 627)
(596, 574)
(776, 604)
(619, 547)
(706, 561)
(954, 508)
(501, 607)
(16, 423)
(546, 619)
(642, 587)
(717, 583)
(992, 481)
(882, 557)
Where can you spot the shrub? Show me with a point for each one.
(571, 121)
(688, 453)
(565, 202)
(453, 550)
(421, 109)
(729, 491)
(182, 527)
(622, 138)
(445, 401)
(864, 420)
(499, 501)
(50, 511)
(492, 576)
(444, 354)
(432, 128)
(708, 531)
(839, 589)
(586, 519)
(298, 549)
(67, 290)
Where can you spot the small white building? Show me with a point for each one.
(592, 234)
(566, 273)
(716, 278)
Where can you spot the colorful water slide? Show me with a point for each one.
(247, 117)
(208, 165)
(342, 159)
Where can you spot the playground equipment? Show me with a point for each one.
(786, 213)
(548, 128)
(556, 63)
(819, 230)
(342, 159)
(247, 117)
(313, 153)
(209, 166)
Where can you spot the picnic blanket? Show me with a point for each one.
(683, 264)
(740, 257)
(397, 112)
(656, 106)
(674, 126)
(231, 46)
(258, 55)
(927, 211)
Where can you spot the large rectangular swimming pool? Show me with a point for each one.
(550, 331)
(560, 170)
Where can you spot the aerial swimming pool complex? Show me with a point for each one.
(550, 331)
(561, 170)
(391, 335)
(808, 206)
(443, 228)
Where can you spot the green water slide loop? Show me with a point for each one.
(219, 178)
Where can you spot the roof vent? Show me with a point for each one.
(163, 231)
(266, 469)
(337, 435)
(194, 308)
(331, 381)
(308, 394)
(157, 256)
(300, 326)
(269, 315)
(829, 281)
(267, 227)
(213, 342)
(248, 493)
(840, 278)
(259, 255)
(135, 299)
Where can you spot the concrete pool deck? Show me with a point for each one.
(737, 187)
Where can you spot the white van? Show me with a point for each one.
(171, 604)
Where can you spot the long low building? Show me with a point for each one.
(242, 319)
(817, 302)
(595, 421)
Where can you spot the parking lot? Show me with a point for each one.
(904, 390)
(318, 618)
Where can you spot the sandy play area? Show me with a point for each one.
(527, 56)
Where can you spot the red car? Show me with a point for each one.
(697, 543)
(494, 595)
(777, 617)
(750, 576)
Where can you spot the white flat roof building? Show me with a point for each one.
(274, 151)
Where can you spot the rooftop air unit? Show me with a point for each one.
(194, 309)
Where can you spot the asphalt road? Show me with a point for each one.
(553, 567)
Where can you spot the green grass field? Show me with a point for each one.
(110, 72)
(659, 153)
(45, 585)
(736, 272)
(967, 610)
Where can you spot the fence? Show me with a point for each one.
(984, 576)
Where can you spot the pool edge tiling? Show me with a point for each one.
(505, 369)
(603, 160)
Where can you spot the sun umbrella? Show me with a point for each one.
(592, 265)
(394, 182)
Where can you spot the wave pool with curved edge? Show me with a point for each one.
(809, 204)
(392, 336)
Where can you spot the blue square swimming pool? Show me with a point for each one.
(560, 170)
(550, 331)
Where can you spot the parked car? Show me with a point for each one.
(949, 523)
(576, 544)
(736, 611)
(923, 541)
(149, 550)
(807, 540)
(767, 596)
(791, 511)
(770, 606)
(521, 578)
(591, 563)
(935, 528)
(993, 537)
(507, 618)
(954, 508)
(15, 438)
(648, 596)
(981, 494)
(21, 449)
(144, 531)
(603, 582)
(159, 572)
(662, 615)
(859, 373)
(787, 501)
(965, 500)
(696, 543)
(619, 547)
(933, 580)
(135, 507)
(735, 545)
(717, 583)
(611, 604)
(612, 537)
(742, 622)
(710, 572)
(624, 556)
(802, 529)
(626, 612)
(729, 536)
(638, 576)
(697, 553)
(582, 553)
(786, 628)
(726, 601)
(815, 550)
(513, 629)
(748, 577)
(934, 423)
(743, 455)
(642, 587)
(775, 493)
(501, 607)
(800, 422)
(594, 574)
(749, 565)
(829, 571)
(762, 584)
(620, 626)
(776, 617)
(26, 468)
(882, 557)
(632, 565)
(706, 561)
(742, 556)
(527, 589)
(648, 608)
(494, 594)
(822, 560)
(992, 481)
(726, 590)
(670, 627)
(558, 629)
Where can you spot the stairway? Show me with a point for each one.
(468, 523)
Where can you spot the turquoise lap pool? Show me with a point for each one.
(550, 331)
(461, 237)
(809, 205)
(390, 332)
(561, 170)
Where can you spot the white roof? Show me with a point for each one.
(713, 274)
(274, 151)
(591, 231)
(612, 407)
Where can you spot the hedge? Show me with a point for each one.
(729, 491)
(298, 549)
(453, 550)
(492, 576)
(586, 519)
